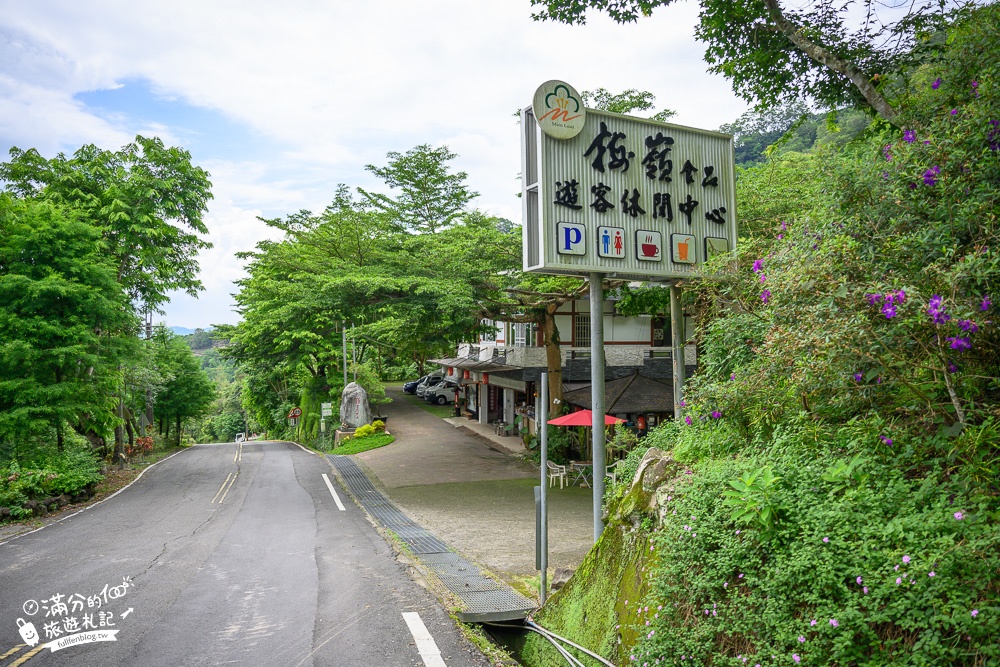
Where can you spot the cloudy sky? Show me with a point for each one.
(281, 101)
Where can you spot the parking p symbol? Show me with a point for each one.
(570, 239)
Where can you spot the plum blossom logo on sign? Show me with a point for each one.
(558, 110)
(70, 620)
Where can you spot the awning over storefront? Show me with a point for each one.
(635, 394)
(494, 365)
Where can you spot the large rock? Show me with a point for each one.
(354, 408)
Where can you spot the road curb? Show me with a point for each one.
(84, 509)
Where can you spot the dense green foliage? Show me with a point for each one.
(88, 243)
(404, 297)
(839, 501)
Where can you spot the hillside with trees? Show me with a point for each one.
(830, 495)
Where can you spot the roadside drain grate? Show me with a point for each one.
(418, 538)
(485, 599)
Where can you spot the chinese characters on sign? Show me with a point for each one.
(608, 198)
(69, 620)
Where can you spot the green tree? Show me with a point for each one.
(63, 323)
(626, 102)
(147, 200)
(819, 51)
(188, 393)
(429, 196)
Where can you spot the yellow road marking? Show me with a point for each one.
(12, 651)
(223, 498)
(28, 656)
(221, 488)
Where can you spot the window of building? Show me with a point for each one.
(581, 331)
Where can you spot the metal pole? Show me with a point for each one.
(543, 424)
(677, 333)
(597, 395)
(354, 353)
(343, 330)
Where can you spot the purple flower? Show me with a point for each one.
(899, 580)
(935, 308)
(865, 589)
(683, 404)
(959, 342)
(896, 568)
(725, 584)
(889, 310)
(886, 153)
(687, 420)
(909, 136)
(959, 516)
(887, 441)
(858, 580)
(781, 236)
(758, 266)
(763, 278)
(930, 176)
(954, 112)
(834, 622)
(985, 305)
(936, 84)
(968, 326)
(765, 295)
(873, 298)
(857, 377)
(733, 376)
(802, 640)
(784, 226)
(906, 559)
(931, 573)
(716, 414)
(825, 540)
(795, 657)
(952, 368)
(975, 612)
(975, 84)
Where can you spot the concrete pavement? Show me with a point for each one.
(472, 492)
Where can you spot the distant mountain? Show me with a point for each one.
(184, 331)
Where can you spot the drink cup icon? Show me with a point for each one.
(28, 632)
(682, 251)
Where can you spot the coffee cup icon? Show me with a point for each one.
(28, 632)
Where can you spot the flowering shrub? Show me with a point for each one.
(854, 353)
(901, 571)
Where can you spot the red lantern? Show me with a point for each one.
(486, 378)
(465, 374)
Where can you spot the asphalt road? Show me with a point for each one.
(222, 554)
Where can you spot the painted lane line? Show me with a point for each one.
(426, 646)
(28, 656)
(12, 651)
(219, 492)
(333, 493)
(223, 498)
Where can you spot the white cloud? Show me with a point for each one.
(329, 87)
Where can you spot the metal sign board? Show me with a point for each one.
(327, 409)
(627, 197)
(295, 413)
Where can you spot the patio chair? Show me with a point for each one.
(556, 470)
(611, 471)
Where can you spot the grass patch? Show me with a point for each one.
(358, 445)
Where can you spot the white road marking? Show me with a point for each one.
(426, 646)
(333, 493)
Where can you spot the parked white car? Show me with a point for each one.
(428, 381)
(442, 393)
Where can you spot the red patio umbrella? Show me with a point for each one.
(583, 418)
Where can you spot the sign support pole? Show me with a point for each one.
(543, 536)
(677, 333)
(597, 396)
